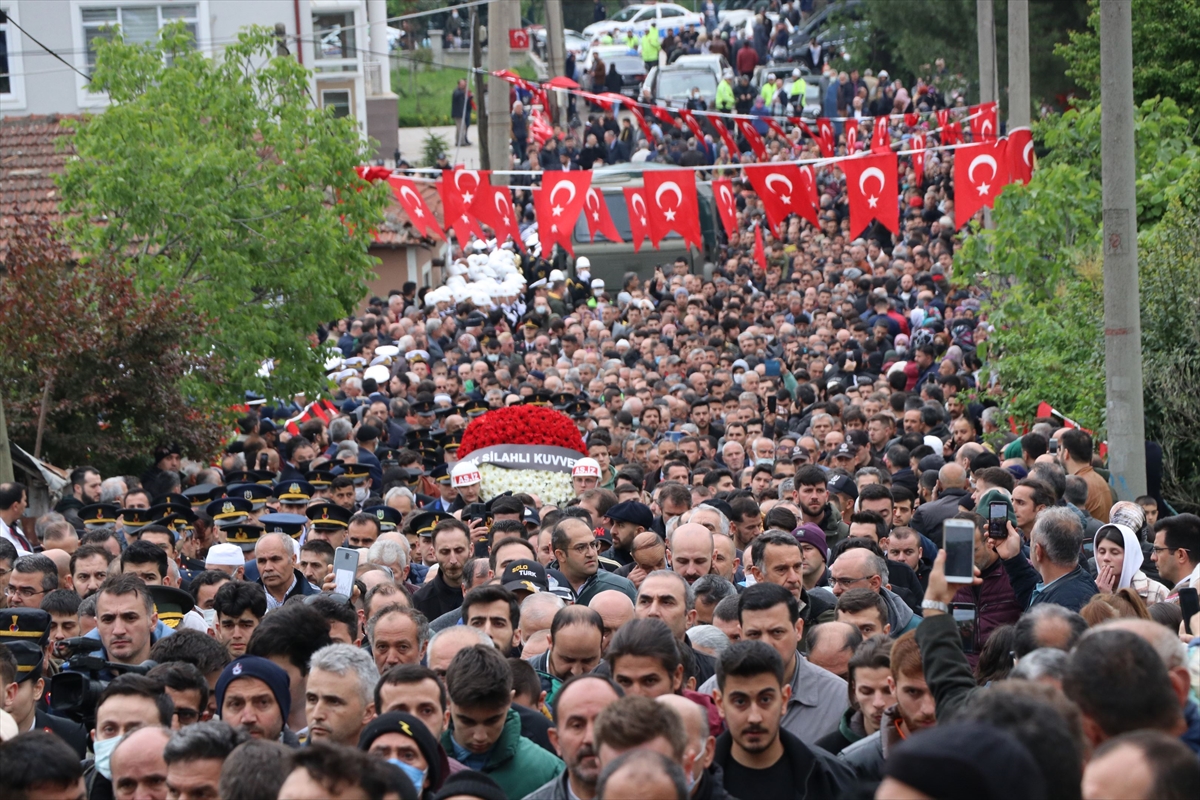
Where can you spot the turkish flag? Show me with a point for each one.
(953, 134)
(558, 205)
(414, 205)
(459, 187)
(881, 139)
(664, 116)
(775, 126)
(980, 172)
(917, 144)
(373, 174)
(641, 122)
(779, 187)
(494, 207)
(871, 189)
(752, 138)
(639, 220)
(518, 39)
(851, 135)
(690, 120)
(726, 137)
(1020, 155)
(671, 195)
(808, 202)
(825, 138)
(726, 205)
(911, 120)
(760, 252)
(595, 210)
(984, 127)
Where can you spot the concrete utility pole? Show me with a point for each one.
(480, 84)
(6, 467)
(556, 45)
(1019, 105)
(502, 15)
(1122, 315)
(986, 36)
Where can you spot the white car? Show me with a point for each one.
(639, 16)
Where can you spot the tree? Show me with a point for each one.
(94, 367)
(1166, 40)
(221, 180)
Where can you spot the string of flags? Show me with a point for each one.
(668, 202)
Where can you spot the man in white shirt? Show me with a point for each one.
(13, 501)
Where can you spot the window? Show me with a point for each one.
(12, 66)
(5, 79)
(138, 23)
(335, 31)
(339, 101)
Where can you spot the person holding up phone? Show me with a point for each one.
(992, 596)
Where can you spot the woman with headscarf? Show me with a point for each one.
(1119, 561)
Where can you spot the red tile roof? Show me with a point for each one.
(396, 230)
(29, 158)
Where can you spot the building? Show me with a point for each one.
(344, 42)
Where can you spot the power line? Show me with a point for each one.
(9, 20)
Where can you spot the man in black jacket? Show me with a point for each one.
(758, 758)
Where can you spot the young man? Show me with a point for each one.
(89, 568)
(577, 550)
(495, 611)
(759, 758)
(128, 703)
(870, 695)
(914, 711)
(485, 732)
(452, 547)
(195, 757)
(253, 695)
(415, 690)
(865, 610)
(21, 687)
(240, 607)
(643, 658)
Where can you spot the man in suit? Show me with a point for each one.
(615, 150)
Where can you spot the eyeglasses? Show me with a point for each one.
(1159, 549)
(846, 583)
(584, 547)
(25, 592)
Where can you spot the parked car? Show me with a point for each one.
(672, 85)
(610, 261)
(717, 63)
(639, 15)
(606, 52)
(732, 14)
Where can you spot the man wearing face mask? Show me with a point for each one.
(581, 287)
(128, 703)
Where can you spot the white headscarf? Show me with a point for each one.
(1133, 553)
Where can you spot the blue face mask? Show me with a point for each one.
(103, 748)
(417, 776)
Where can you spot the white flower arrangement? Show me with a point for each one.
(552, 487)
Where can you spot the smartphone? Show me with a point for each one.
(965, 620)
(1189, 604)
(958, 537)
(263, 460)
(1054, 445)
(772, 403)
(673, 436)
(998, 520)
(772, 365)
(345, 569)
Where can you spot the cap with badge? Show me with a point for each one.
(356, 472)
(388, 517)
(134, 518)
(632, 511)
(578, 409)
(843, 484)
(423, 524)
(25, 625)
(475, 408)
(525, 575)
(328, 515)
(799, 453)
(170, 604)
(29, 658)
(202, 494)
(319, 478)
(424, 408)
(441, 474)
(243, 533)
(255, 493)
(98, 514)
(229, 510)
(465, 473)
(844, 450)
(288, 524)
(294, 493)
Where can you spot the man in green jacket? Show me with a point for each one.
(485, 731)
(575, 546)
(725, 98)
(651, 46)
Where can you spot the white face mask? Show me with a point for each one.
(210, 616)
(541, 309)
(360, 493)
(103, 748)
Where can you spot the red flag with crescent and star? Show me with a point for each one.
(459, 188)
(664, 116)
(558, 205)
(753, 138)
(725, 135)
(871, 190)
(783, 191)
(641, 122)
(760, 252)
(917, 144)
(1020, 155)
(639, 221)
(690, 120)
(881, 139)
(726, 205)
(824, 137)
(671, 196)
(980, 172)
(984, 127)
(851, 135)
(414, 205)
(595, 211)
(493, 205)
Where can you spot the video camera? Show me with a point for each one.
(76, 690)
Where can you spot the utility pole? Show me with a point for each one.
(556, 45)
(1122, 316)
(1019, 106)
(500, 19)
(986, 36)
(6, 467)
(481, 117)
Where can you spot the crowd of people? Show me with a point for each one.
(745, 594)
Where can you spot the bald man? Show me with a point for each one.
(615, 609)
(953, 495)
(138, 768)
(690, 551)
(701, 744)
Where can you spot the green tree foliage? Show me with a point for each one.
(222, 181)
(99, 364)
(1166, 51)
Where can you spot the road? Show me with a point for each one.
(411, 149)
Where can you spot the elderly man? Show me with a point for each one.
(857, 568)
